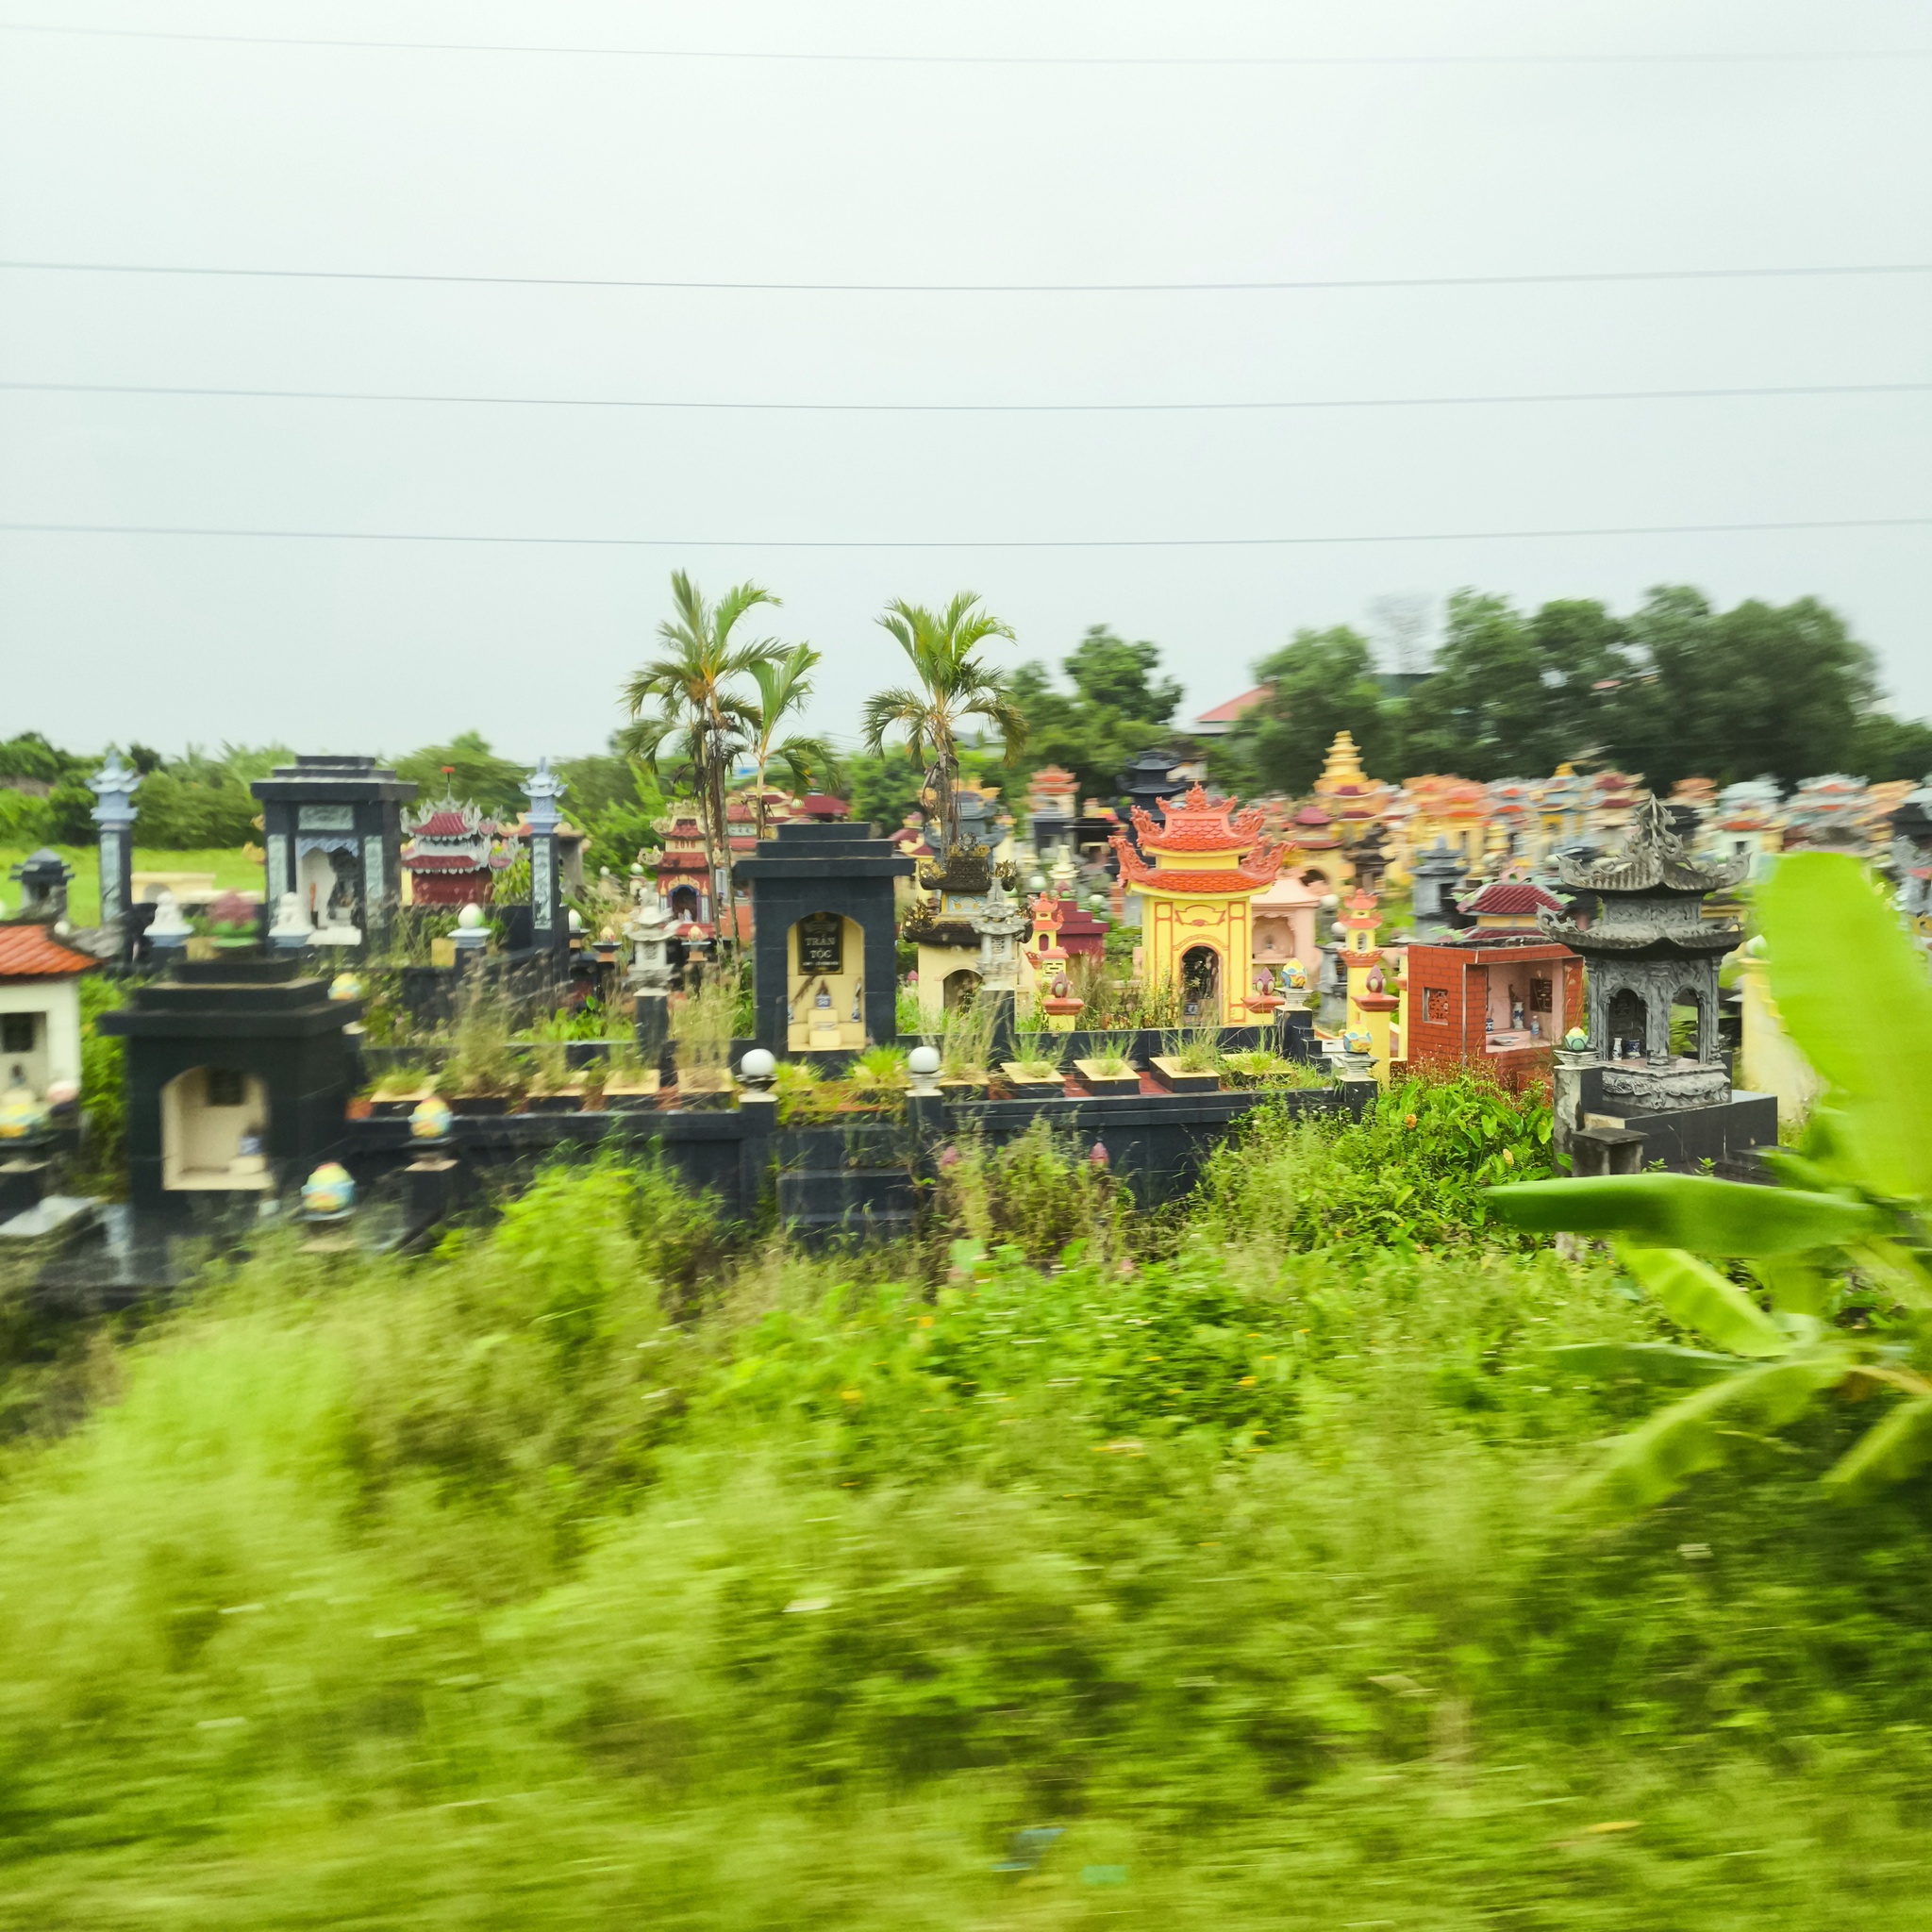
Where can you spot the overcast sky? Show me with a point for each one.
(201, 153)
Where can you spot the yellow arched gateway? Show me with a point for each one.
(1196, 929)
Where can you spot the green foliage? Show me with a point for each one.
(1118, 706)
(1414, 1173)
(1322, 682)
(885, 786)
(476, 775)
(953, 687)
(1838, 957)
(103, 1083)
(476, 1591)
(202, 799)
(1691, 1212)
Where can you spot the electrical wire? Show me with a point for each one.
(1711, 57)
(1584, 277)
(334, 395)
(957, 544)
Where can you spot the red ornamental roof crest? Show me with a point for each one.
(1195, 827)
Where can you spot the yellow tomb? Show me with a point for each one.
(1208, 864)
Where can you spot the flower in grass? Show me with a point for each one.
(850, 1395)
(1408, 1120)
(1247, 1382)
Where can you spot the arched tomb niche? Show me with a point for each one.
(1201, 986)
(824, 984)
(213, 1121)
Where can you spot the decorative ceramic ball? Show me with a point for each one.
(345, 985)
(1037, 883)
(923, 1063)
(62, 1092)
(577, 920)
(757, 1065)
(328, 1190)
(430, 1119)
(1294, 976)
(470, 918)
(21, 1114)
(1356, 1040)
(1577, 1041)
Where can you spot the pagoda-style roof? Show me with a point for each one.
(1512, 899)
(1653, 860)
(1197, 831)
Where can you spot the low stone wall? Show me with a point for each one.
(1155, 1144)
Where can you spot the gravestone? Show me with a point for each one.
(332, 834)
(825, 937)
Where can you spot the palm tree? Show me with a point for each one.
(784, 686)
(687, 702)
(954, 685)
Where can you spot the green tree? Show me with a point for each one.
(784, 687)
(1784, 690)
(953, 684)
(1108, 670)
(1321, 682)
(1488, 712)
(885, 786)
(688, 704)
(475, 775)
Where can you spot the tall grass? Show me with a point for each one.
(581, 1574)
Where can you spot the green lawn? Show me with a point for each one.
(231, 866)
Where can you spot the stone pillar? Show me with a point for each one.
(1566, 1097)
(1376, 1010)
(549, 931)
(113, 787)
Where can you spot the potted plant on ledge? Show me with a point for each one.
(1109, 1075)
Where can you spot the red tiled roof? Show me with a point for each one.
(444, 824)
(443, 861)
(822, 805)
(1226, 713)
(27, 953)
(1512, 898)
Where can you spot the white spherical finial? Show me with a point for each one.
(757, 1065)
(470, 918)
(923, 1062)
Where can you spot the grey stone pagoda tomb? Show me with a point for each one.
(1648, 948)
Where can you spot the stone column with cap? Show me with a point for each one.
(113, 787)
(550, 933)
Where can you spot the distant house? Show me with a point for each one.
(1221, 718)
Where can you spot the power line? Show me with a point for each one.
(1717, 56)
(955, 543)
(331, 395)
(1600, 275)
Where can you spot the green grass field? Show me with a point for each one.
(231, 867)
(598, 1572)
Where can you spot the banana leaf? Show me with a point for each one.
(1684, 1210)
(1698, 1432)
(1852, 991)
(1694, 1295)
(1650, 1362)
(1897, 1448)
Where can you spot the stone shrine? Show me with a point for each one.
(823, 937)
(1649, 948)
(332, 834)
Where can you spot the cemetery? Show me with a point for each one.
(571, 1360)
(423, 1003)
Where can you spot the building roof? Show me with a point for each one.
(1512, 899)
(822, 805)
(1653, 860)
(27, 953)
(1226, 714)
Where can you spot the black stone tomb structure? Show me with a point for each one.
(334, 826)
(804, 880)
(237, 1076)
